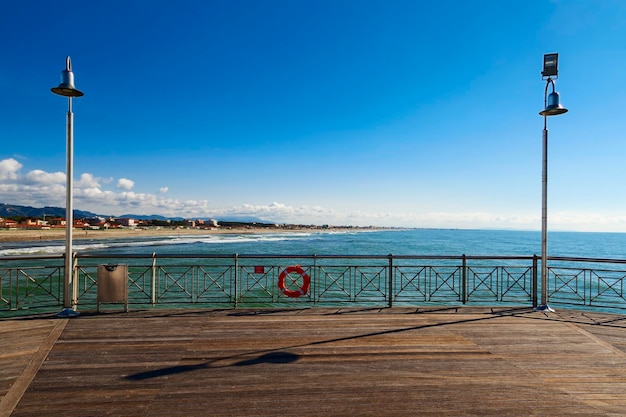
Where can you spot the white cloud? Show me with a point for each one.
(587, 221)
(39, 188)
(94, 194)
(87, 181)
(38, 176)
(125, 184)
(9, 169)
(132, 198)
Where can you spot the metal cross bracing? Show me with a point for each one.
(34, 283)
(29, 287)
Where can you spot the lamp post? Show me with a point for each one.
(551, 107)
(67, 89)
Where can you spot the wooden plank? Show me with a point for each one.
(324, 362)
(24, 347)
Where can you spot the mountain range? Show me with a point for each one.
(12, 210)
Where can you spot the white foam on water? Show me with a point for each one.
(103, 244)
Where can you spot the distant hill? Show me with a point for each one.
(10, 210)
(227, 219)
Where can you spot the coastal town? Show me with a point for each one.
(23, 223)
(101, 223)
(112, 223)
(24, 218)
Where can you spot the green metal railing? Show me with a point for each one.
(35, 284)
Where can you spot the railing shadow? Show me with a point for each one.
(274, 357)
(283, 356)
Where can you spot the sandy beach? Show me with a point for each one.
(26, 235)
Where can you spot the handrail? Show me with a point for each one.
(32, 281)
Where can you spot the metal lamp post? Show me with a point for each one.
(67, 89)
(551, 107)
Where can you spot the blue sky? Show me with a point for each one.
(388, 113)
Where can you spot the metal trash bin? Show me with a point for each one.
(113, 284)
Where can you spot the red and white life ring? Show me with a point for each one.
(306, 281)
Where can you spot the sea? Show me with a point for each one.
(414, 242)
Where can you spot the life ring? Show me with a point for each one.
(306, 281)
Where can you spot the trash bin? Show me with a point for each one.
(113, 284)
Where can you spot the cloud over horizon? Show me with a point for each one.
(107, 196)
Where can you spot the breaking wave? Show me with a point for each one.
(190, 242)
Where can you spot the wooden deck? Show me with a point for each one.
(315, 362)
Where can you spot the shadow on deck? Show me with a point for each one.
(315, 362)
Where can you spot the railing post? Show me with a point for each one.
(314, 279)
(236, 281)
(195, 283)
(15, 285)
(587, 277)
(534, 282)
(464, 279)
(74, 276)
(153, 280)
(390, 289)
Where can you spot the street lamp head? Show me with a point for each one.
(553, 108)
(67, 88)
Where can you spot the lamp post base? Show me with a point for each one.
(544, 308)
(67, 313)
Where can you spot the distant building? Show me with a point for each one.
(202, 224)
(95, 220)
(126, 222)
(57, 221)
(81, 224)
(32, 223)
(8, 224)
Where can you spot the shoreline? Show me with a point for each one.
(36, 235)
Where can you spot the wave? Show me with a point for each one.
(26, 248)
(54, 249)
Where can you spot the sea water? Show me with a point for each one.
(446, 242)
(607, 277)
